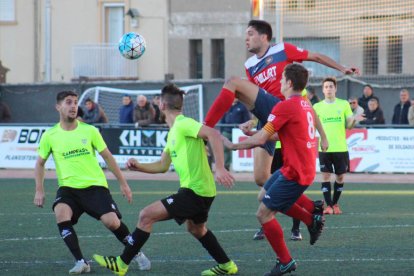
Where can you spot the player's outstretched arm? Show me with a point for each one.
(160, 166)
(256, 140)
(114, 168)
(327, 61)
(39, 198)
(223, 177)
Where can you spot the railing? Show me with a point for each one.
(101, 61)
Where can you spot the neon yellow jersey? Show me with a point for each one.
(333, 118)
(188, 154)
(74, 155)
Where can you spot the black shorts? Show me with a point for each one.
(277, 161)
(186, 204)
(95, 201)
(334, 162)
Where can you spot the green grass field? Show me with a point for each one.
(374, 236)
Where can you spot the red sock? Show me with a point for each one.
(300, 213)
(305, 202)
(274, 234)
(221, 105)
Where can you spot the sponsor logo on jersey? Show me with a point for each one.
(269, 60)
(265, 75)
(84, 141)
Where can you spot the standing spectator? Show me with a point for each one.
(93, 113)
(411, 113)
(355, 107)
(374, 114)
(5, 114)
(159, 117)
(126, 112)
(400, 116)
(143, 112)
(237, 114)
(311, 95)
(367, 94)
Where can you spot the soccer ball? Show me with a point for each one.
(132, 45)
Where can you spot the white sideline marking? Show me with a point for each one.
(215, 231)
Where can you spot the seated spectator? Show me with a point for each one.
(367, 94)
(374, 114)
(143, 112)
(159, 117)
(356, 109)
(400, 116)
(237, 114)
(5, 114)
(411, 113)
(93, 113)
(126, 111)
(311, 95)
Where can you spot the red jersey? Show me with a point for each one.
(293, 120)
(266, 72)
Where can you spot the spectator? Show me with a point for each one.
(400, 116)
(80, 114)
(159, 117)
(367, 94)
(143, 112)
(93, 113)
(356, 109)
(311, 95)
(374, 114)
(237, 114)
(5, 114)
(411, 113)
(126, 111)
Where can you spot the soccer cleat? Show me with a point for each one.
(318, 207)
(316, 228)
(229, 268)
(281, 268)
(296, 235)
(115, 264)
(328, 210)
(336, 210)
(142, 261)
(259, 235)
(80, 267)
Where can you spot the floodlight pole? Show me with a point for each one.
(279, 21)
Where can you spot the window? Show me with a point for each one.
(113, 22)
(7, 11)
(196, 59)
(370, 55)
(292, 4)
(217, 58)
(310, 4)
(394, 54)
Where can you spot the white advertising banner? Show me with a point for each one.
(370, 150)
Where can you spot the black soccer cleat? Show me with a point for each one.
(259, 235)
(281, 268)
(318, 207)
(316, 228)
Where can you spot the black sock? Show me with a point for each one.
(296, 224)
(338, 187)
(122, 233)
(326, 190)
(69, 236)
(134, 244)
(214, 248)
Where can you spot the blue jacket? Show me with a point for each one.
(126, 114)
(237, 114)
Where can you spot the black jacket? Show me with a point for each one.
(400, 116)
(375, 117)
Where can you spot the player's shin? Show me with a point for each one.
(134, 244)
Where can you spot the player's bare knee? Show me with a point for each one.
(111, 221)
(197, 231)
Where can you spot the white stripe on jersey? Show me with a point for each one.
(253, 60)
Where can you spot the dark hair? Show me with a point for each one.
(126, 95)
(172, 96)
(331, 79)
(298, 75)
(63, 94)
(311, 90)
(262, 27)
(88, 100)
(368, 85)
